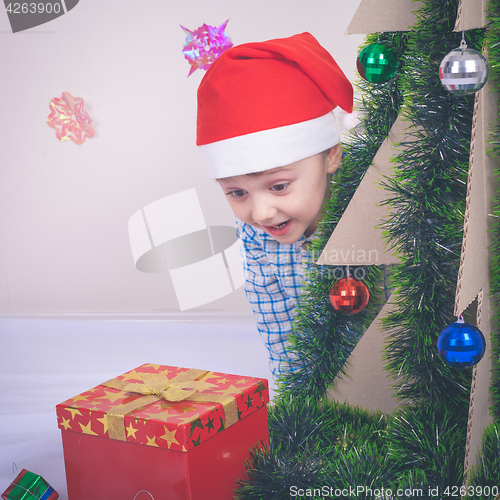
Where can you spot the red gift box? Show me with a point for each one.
(162, 432)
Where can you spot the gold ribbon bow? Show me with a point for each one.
(155, 387)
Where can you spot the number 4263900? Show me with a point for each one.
(34, 8)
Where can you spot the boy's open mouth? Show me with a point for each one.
(279, 229)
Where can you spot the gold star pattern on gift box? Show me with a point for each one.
(173, 425)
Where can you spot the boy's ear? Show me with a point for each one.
(333, 159)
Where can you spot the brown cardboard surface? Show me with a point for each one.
(475, 264)
(357, 240)
(375, 16)
(471, 15)
(366, 383)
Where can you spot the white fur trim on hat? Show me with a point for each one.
(270, 148)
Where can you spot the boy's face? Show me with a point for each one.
(286, 201)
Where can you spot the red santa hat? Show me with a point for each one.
(267, 104)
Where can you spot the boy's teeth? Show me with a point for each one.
(279, 226)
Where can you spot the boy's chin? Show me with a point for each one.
(286, 241)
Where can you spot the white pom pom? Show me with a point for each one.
(349, 120)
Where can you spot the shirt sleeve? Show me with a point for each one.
(272, 306)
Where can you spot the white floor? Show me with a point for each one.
(46, 361)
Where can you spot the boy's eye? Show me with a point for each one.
(279, 187)
(237, 193)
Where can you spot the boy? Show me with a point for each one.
(267, 134)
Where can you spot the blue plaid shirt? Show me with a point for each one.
(273, 280)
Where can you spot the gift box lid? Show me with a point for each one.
(132, 407)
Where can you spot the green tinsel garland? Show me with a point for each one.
(311, 446)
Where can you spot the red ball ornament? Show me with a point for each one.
(349, 296)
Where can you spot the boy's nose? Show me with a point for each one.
(263, 212)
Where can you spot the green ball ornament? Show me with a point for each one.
(377, 63)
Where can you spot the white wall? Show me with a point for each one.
(64, 208)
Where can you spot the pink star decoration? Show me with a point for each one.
(204, 45)
(69, 119)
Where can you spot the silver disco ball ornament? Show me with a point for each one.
(463, 71)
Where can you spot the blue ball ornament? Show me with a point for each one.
(461, 345)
